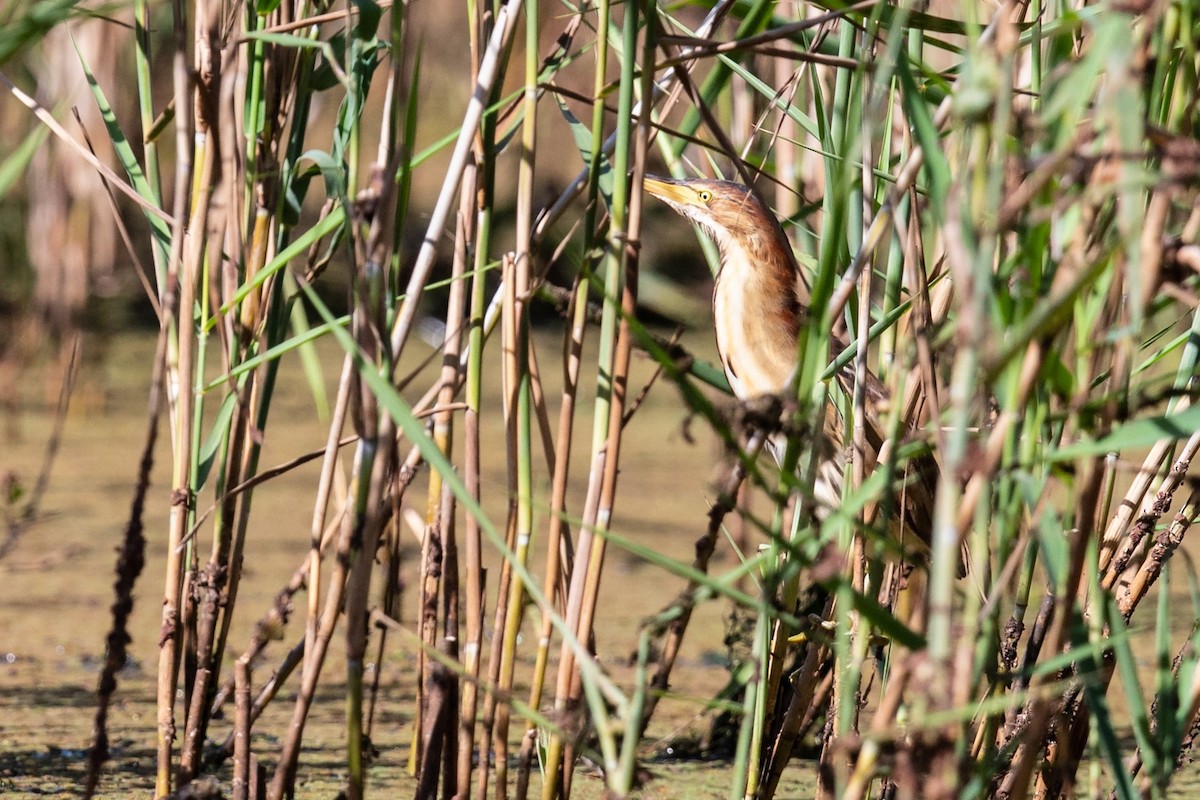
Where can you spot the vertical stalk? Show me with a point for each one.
(181, 283)
(484, 167)
(554, 752)
(443, 435)
(521, 428)
(240, 787)
(620, 305)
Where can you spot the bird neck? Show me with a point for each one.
(758, 315)
(768, 276)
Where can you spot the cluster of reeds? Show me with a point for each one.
(997, 211)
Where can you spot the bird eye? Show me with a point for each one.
(705, 195)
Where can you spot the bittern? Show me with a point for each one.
(758, 312)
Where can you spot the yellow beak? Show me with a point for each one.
(670, 191)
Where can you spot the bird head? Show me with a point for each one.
(729, 212)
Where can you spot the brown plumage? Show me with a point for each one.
(758, 314)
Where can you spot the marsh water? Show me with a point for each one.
(55, 585)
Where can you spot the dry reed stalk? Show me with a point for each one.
(1118, 525)
(318, 532)
(1070, 746)
(249, 438)
(221, 577)
(314, 656)
(518, 350)
(495, 658)
(431, 693)
(480, 168)
(439, 532)
(807, 703)
(588, 178)
(1017, 778)
(1134, 535)
(520, 507)
(594, 559)
(279, 676)
(473, 567)
(451, 380)
(1164, 545)
(378, 468)
(437, 724)
(537, 399)
(358, 585)
(573, 341)
(620, 282)
(203, 657)
(110, 177)
(453, 685)
(865, 765)
(240, 787)
(564, 711)
(182, 270)
(390, 595)
(307, 574)
(214, 587)
(431, 571)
